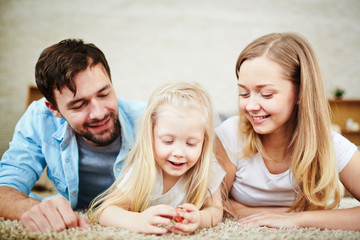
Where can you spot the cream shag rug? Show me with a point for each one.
(224, 230)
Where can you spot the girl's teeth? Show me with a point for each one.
(258, 118)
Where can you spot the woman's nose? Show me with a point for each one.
(253, 104)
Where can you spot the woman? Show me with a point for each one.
(281, 158)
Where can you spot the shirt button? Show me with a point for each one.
(118, 169)
(73, 193)
(67, 160)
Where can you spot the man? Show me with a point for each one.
(80, 131)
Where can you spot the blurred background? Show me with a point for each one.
(150, 42)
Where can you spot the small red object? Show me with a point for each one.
(178, 218)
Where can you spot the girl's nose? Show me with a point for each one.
(178, 152)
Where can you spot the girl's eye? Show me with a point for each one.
(167, 141)
(192, 143)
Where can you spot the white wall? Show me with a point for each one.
(149, 42)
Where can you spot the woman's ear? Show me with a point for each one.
(53, 109)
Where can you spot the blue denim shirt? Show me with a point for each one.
(41, 139)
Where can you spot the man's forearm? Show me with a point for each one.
(13, 203)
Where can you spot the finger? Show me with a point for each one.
(28, 223)
(160, 220)
(188, 207)
(35, 220)
(257, 220)
(151, 229)
(250, 218)
(69, 217)
(52, 215)
(180, 230)
(166, 212)
(81, 222)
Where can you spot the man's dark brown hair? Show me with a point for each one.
(58, 65)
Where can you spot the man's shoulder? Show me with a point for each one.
(131, 106)
(37, 113)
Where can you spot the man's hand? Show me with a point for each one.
(55, 214)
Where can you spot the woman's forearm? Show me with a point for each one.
(345, 219)
(242, 210)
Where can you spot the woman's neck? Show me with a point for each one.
(275, 146)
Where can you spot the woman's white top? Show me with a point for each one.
(177, 194)
(254, 185)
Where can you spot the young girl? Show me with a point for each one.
(279, 153)
(169, 174)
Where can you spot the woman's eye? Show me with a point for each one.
(266, 95)
(244, 94)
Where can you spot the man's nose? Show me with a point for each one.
(97, 110)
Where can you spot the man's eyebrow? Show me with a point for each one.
(73, 102)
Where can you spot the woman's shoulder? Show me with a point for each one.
(344, 149)
(231, 122)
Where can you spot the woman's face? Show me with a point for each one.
(265, 97)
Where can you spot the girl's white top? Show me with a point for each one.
(254, 185)
(177, 194)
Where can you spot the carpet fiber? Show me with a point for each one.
(224, 230)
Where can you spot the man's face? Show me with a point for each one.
(93, 111)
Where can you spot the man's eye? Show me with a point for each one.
(103, 95)
(78, 107)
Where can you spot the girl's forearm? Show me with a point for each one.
(118, 217)
(211, 216)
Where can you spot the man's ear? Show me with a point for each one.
(53, 109)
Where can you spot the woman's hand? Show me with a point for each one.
(188, 219)
(270, 219)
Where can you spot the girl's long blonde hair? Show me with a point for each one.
(141, 162)
(311, 147)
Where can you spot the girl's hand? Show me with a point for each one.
(152, 220)
(187, 219)
(270, 219)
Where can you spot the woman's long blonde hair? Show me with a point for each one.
(311, 147)
(141, 162)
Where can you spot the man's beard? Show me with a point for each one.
(99, 139)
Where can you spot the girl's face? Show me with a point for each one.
(178, 140)
(265, 97)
